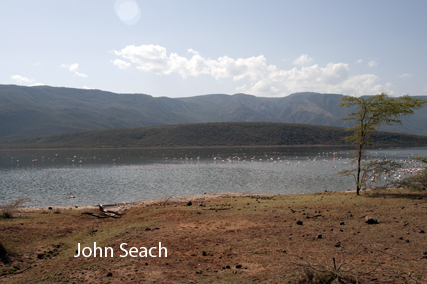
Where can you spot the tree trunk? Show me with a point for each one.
(359, 158)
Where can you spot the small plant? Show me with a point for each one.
(7, 211)
(417, 181)
(346, 270)
(375, 174)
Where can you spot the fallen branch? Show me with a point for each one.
(217, 209)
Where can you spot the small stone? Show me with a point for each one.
(299, 222)
(109, 274)
(238, 266)
(337, 245)
(319, 236)
(342, 223)
(50, 208)
(422, 232)
(189, 203)
(371, 220)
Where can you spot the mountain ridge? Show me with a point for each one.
(46, 110)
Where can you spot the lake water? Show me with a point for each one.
(50, 177)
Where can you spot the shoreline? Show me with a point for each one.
(164, 201)
(144, 202)
(188, 147)
(211, 147)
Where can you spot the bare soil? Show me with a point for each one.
(225, 238)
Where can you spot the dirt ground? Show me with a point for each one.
(224, 238)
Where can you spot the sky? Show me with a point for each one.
(268, 48)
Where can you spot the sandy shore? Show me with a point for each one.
(146, 202)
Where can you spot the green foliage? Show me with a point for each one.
(371, 113)
(375, 111)
(207, 134)
(417, 181)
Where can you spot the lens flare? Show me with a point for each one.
(127, 11)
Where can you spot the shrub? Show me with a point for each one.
(7, 211)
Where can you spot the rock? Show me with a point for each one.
(189, 203)
(422, 232)
(424, 254)
(238, 266)
(342, 223)
(50, 208)
(109, 274)
(319, 236)
(299, 222)
(337, 245)
(371, 220)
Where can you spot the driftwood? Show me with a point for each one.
(103, 210)
(105, 213)
(94, 215)
(315, 216)
(217, 209)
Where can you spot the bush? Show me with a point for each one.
(417, 181)
(6, 211)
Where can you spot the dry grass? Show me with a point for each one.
(230, 240)
(7, 211)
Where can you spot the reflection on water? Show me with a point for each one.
(51, 177)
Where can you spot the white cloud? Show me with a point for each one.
(121, 64)
(154, 58)
(73, 68)
(405, 76)
(256, 76)
(303, 60)
(80, 74)
(20, 79)
(372, 63)
(359, 61)
(37, 84)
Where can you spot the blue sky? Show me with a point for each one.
(186, 48)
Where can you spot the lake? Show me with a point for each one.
(92, 176)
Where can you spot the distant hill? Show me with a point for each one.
(44, 110)
(208, 134)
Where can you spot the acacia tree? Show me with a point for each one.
(371, 113)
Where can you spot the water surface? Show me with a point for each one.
(92, 176)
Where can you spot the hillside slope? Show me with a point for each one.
(44, 110)
(208, 134)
